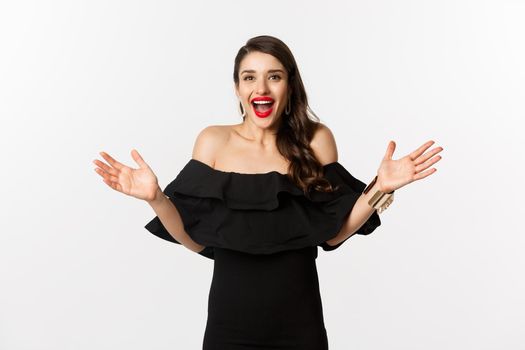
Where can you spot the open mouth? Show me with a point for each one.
(262, 107)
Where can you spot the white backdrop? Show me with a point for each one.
(78, 270)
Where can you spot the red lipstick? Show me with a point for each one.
(262, 101)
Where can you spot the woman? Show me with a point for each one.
(258, 198)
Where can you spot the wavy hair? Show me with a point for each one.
(296, 129)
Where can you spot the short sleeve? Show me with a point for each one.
(185, 206)
(351, 189)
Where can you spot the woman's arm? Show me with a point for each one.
(205, 146)
(360, 213)
(170, 218)
(325, 148)
(204, 149)
(391, 175)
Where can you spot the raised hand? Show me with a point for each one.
(140, 183)
(394, 174)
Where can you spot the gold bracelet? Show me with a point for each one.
(380, 200)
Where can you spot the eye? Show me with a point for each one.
(246, 77)
(276, 75)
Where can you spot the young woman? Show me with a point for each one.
(259, 197)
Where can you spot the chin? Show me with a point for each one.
(265, 122)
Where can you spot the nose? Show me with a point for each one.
(262, 87)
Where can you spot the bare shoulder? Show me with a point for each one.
(208, 142)
(324, 146)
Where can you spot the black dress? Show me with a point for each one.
(262, 233)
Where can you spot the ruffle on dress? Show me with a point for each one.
(260, 213)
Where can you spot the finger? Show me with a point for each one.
(428, 155)
(138, 159)
(106, 176)
(424, 174)
(114, 163)
(427, 164)
(106, 168)
(421, 149)
(390, 150)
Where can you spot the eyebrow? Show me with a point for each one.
(270, 71)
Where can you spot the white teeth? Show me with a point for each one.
(262, 102)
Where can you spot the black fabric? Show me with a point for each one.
(265, 301)
(260, 213)
(262, 233)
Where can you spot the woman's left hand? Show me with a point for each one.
(394, 174)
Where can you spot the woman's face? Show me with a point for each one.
(262, 77)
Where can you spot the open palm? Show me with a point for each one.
(140, 183)
(394, 174)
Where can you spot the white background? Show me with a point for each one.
(78, 270)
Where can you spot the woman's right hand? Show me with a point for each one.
(140, 183)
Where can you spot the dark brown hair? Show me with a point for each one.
(297, 129)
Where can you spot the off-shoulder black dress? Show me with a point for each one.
(262, 233)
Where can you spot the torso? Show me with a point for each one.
(237, 154)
